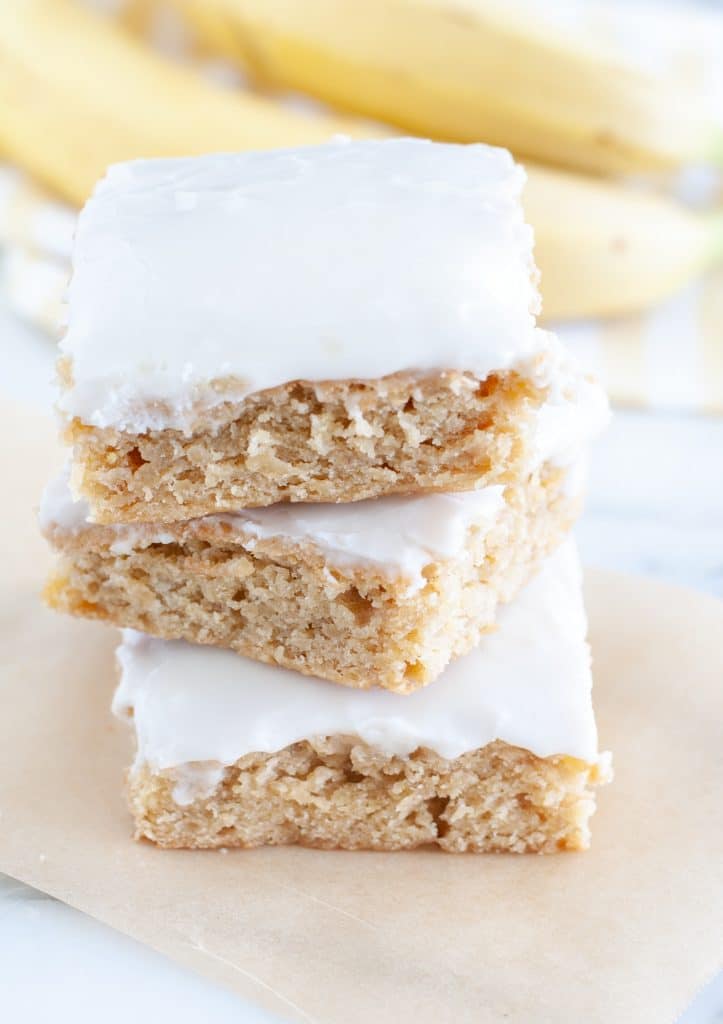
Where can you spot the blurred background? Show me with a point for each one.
(615, 109)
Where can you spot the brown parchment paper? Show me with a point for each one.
(625, 933)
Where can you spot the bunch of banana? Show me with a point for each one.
(467, 71)
(76, 94)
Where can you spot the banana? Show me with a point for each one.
(467, 71)
(604, 250)
(137, 16)
(77, 93)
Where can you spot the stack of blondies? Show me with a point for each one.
(324, 471)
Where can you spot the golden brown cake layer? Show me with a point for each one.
(333, 441)
(288, 602)
(337, 792)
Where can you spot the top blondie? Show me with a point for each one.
(329, 323)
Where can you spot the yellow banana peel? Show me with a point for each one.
(468, 72)
(606, 250)
(77, 94)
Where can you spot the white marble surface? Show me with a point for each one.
(655, 507)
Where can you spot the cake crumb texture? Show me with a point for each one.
(339, 793)
(287, 604)
(301, 441)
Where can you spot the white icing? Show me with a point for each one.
(130, 538)
(346, 260)
(59, 509)
(570, 419)
(196, 782)
(400, 535)
(528, 684)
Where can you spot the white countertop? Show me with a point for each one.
(655, 506)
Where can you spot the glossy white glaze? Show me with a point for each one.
(346, 260)
(528, 683)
